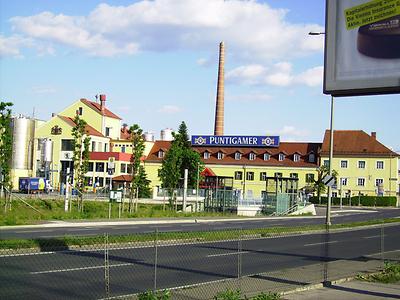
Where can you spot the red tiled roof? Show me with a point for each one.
(96, 106)
(89, 129)
(229, 158)
(119, 156)
(123, 178)
(354, 142)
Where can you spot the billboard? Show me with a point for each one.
(235, 141)
(362, 47)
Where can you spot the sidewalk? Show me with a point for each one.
(306, 282)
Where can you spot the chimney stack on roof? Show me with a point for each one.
(219, 107)
(102, 102)
(373, 134)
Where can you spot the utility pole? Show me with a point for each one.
(328, 208)
(185, 182)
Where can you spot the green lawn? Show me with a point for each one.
(21, 214)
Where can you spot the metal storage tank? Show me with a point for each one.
(48, 150)
(23, 133)
(148, 136)
(166, 134)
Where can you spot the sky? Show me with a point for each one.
(157, 61)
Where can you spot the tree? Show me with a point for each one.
(140, 185)
(5, 145)
(80, 158)
(179, 157)
(318, 185)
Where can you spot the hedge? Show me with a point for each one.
(363, 200)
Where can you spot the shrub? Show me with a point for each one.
(229, 295)
(150, 295)
(363, 200)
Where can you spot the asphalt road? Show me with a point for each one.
(86, 229)
(72, 274)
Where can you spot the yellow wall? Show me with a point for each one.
(91, 117)
(255, 186)
(370, 173)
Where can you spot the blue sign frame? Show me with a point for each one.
(235, 141)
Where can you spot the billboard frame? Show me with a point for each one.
(342, 88)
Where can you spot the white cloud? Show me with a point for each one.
(252, 30)
(290, 133)
(170, 109)
(10, 46)
(279, 74)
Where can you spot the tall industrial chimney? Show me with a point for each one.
(219, 107)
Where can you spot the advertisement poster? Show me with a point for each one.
(362, 50)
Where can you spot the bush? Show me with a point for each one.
(363, 200)
(150, 295)
(229, 295)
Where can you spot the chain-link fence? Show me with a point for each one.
(196, 264)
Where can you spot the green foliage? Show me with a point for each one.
(363, 200)
(269, 296)
(5, 143)
(179, 157)
(80, 144)
(390, 274)
(139, 182)
(150, 295)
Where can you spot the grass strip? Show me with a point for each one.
(49, 244)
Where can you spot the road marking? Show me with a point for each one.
(78, 269)
(225, 254)
(322, 243)
(373, 236)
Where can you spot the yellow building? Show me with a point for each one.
(247, 169)
(364, 165)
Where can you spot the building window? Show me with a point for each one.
(160, 154)
(129, 169)
(326, 163)
(343, 164)
(220, 155)
(123, 168)
(281, 157)
(267, 156)
(343, 181)
(80, 110)
(309, 178)
(250, 176)
(106, 147)
(296, 157)
(238, 155)
(379, 164)
(311, 157)
(238, 175)
(67, 145)
(361, 164)
(108, 129)
(100, 146)
(99, 167)
(93, 146)
(379, 182)
(206, 155)
(361, 181)
(334, 194)
(90, 167)
(123, 149)
(294, 175)
(263, 176)
(278, 174)
(100, 181)
(252, 156)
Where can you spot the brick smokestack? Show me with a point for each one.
(102, 102)
(219, 107)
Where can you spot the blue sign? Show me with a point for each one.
(235, 141)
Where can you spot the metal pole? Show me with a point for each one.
(106, 267)
(328, 208)
(197, 185)
(185, 183)
(341, 196)
(155, 259)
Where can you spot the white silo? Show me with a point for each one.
(166, 134)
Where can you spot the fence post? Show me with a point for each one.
(383, 243)
(239, 259)
(106, 267)
(155, 259)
